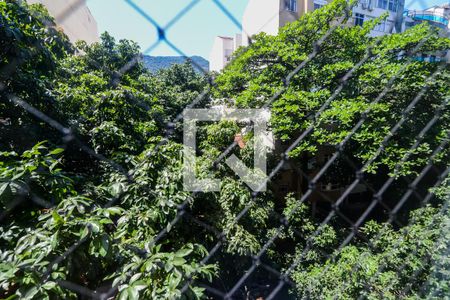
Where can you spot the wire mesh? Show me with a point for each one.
(245, 285)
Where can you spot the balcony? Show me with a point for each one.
(435, 18)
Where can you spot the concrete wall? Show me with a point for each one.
(221, 52)
(237, 41)
(74, 17)
(261, 16)
(269, 15)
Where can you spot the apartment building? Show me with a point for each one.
(74, 18)
(222, 51)
(438, 16)
(367, 10)
(270, 15)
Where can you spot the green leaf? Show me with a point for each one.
(95, 227)
(123, 295)
(3, 187)
(198, 291)
(133, 293)
(116, 189)
(183, 252)
(114, 211)
(56, 151)
(31, 293)
(104, 246)
(135, 277)
(54, 240)
(140, 285)
(84, 232)
(57, 218)
(178, 261)
(49, 285)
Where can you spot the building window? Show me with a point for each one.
(383, 4)
(359, 19)
(228, 54)
(291, 5)
(393, 4)
(317, 6)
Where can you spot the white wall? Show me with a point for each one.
(218, 58)
(237, 41)
(269, 15)
(260, 16)
(75, 19)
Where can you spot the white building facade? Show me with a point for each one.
(367, 10)
(223, 50)
(74, 17)
(270, 15)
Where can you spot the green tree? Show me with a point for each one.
(31, 47)
(67, 216)
(111, 217)
(269, 66)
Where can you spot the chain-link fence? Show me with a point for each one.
(357, 197)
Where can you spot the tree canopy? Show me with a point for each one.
(91, 173)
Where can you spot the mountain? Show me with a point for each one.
(155, 63)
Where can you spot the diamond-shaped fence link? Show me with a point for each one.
(276, 279)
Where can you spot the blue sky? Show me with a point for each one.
(193, 33)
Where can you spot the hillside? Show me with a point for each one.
(155, 63)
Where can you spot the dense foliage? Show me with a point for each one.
(316, 99)
(87, 180)
(261, 70)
